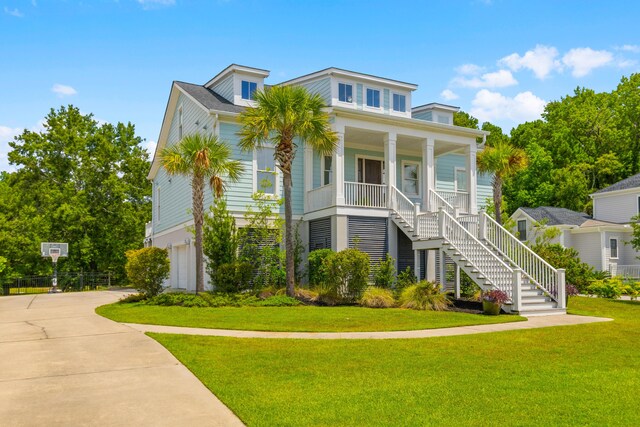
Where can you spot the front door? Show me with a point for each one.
(370, 171)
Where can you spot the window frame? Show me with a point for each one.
(418, 175)
(393, 106)
(352, 96)
(365, 100)
(249, 83)
(323, 170)
(256, 184)
(611, 240)
(520, 236)
(457, 170)
(365, 157)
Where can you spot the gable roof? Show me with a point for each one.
(208, 98)
(625, 184)
(556, 216)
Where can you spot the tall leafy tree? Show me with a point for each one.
(282, 115)
(77, 181)
(201, 158)
(502, 160)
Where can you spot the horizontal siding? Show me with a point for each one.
(317, 172)
(589, 247)
(385, 101)
(616, 208)
(224, 88)
(321, 87)
(359, 101)
(485, 190)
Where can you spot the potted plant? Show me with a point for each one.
(569, 291)
(492, 301)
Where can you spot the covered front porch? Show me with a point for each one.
(377, 165)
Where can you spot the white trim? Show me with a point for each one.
(455, 179)
(353, 93)
(617, 248)
(418, 176)
(365, 88)
(616, 193)
(339, 73)
(254, 166)
(237, 68)
(406, 99)
(364, 156)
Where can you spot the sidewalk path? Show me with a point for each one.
(63, 365)
(531, 323)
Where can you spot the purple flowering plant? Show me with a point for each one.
(495, 296)
(571, 290)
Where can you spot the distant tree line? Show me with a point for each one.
(76, 181)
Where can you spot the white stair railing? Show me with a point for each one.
(539, 272)
(427, 225)
(436, 202)
(403, 206)
(457, 199)
(487, 263)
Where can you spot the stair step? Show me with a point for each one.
(535, 300)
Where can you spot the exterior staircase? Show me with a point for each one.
(488, 253)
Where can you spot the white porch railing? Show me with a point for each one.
(485, 261)
(532, 265)
(456, 199)
(470, 223)
(436, 202)
(365, 195)
(319, 198)
(628, 271)
(428, 225)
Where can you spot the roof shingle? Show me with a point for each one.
(208, 98)
(631, 182)
(556, 216)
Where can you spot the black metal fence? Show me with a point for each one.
(67, 282)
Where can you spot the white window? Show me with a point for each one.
(265, 171)
(522, 229)
(373, 98)
(411, 178)
(248, 88)
(327, 170)
(461, 179)
(399, 103)
(345, 92)
(443, 119)
(180, 123)
(613, 245)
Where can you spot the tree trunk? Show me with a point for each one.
(497, 197)
(197, 187)
(288, 237)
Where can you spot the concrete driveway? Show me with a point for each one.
(63, 365)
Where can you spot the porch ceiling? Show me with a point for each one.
(374, 140)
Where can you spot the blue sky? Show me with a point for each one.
(499, 60)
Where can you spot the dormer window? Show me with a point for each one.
(345, 92)
(373, 98)
(399, 103)
(248, 88)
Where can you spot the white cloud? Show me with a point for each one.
(584, 59)
(6, 135)
(500, 78)
(63, 90)
(493, 106)
(541, 60)
(153, 4)
(449, 95)
(629, 48)
(150, 146)
(469, 69)
(13, 12)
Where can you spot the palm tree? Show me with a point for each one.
(282, 115)
(201, 157)
(502, 160)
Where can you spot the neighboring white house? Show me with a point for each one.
(402, 181)
(601, 241)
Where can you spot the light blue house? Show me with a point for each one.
(402, 181)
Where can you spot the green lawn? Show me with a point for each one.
(296, 319)
(569, 375)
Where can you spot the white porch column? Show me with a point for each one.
(416, 264)
(390, 163)
(338, 167)
(428, 172)
(472, 179)
(308, 174)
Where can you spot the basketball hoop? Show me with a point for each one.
(54, 253)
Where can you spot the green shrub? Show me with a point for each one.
(317, 271)
(405, 278)
(327, 294)
(348, 272)
(278, 301)
(607, 288)
(147, 269)
(132, 298)
(232, 277)
(577, 272)
(424, 296)
(468, 288)
(384, 273)
(374, 297)
(633, 290)
(219, 238)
